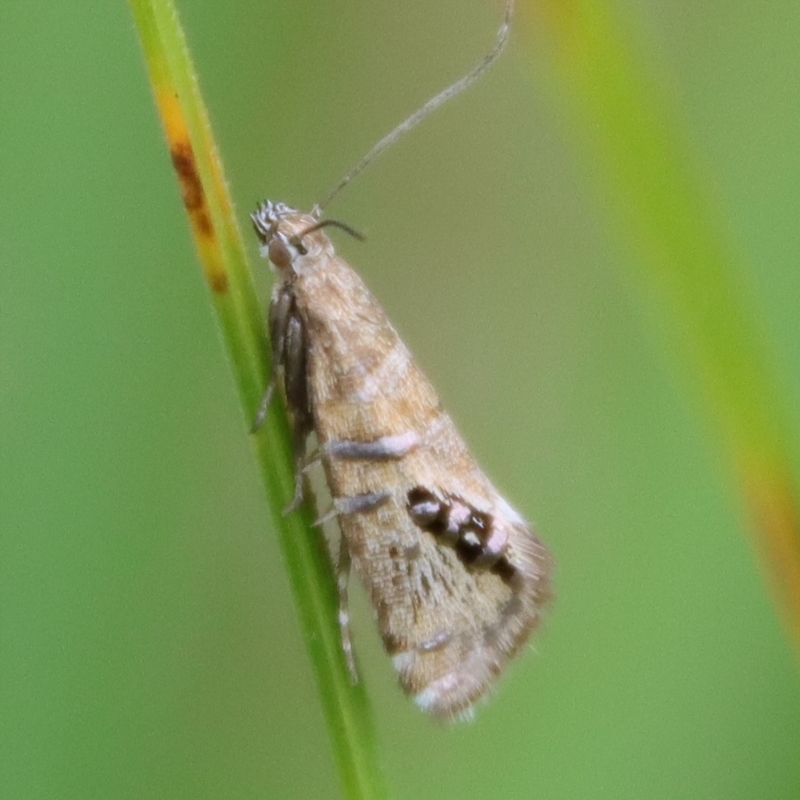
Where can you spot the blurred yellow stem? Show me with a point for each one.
(685, 269)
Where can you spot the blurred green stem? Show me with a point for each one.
(686, 270)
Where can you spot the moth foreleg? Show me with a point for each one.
(295, 382)
(354, 504)
(279, 315)
(280, 310)
(264, 407)
(342, 582)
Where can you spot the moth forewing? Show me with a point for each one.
(455, 576)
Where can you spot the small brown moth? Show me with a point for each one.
(455, 575)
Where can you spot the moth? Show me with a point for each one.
(456, 577)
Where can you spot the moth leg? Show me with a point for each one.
(279, 314)
(299, 465)
(264, 407)
(342, 581)
(296, 384)
(280, 309)
(354, 504)
(299, 494)
(312, 459)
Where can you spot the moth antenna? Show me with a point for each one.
(325, 223)
(429, 107)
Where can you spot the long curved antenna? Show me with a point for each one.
(326, 223)
(429, 107)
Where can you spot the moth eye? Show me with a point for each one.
(279, 253)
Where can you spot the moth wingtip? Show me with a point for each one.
(448, 699)
(430, 701)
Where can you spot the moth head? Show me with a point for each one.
(294, 241)
(278, 244)
(287, 235)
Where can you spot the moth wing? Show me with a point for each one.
(449, 626)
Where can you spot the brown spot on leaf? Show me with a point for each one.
(194, 197)
(219, 282)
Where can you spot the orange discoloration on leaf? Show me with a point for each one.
(192, 190)
(171, 113)
(177, 133)
(777, 521)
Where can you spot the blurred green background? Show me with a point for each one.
(148, 642)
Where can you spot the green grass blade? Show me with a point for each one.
(208, 205)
